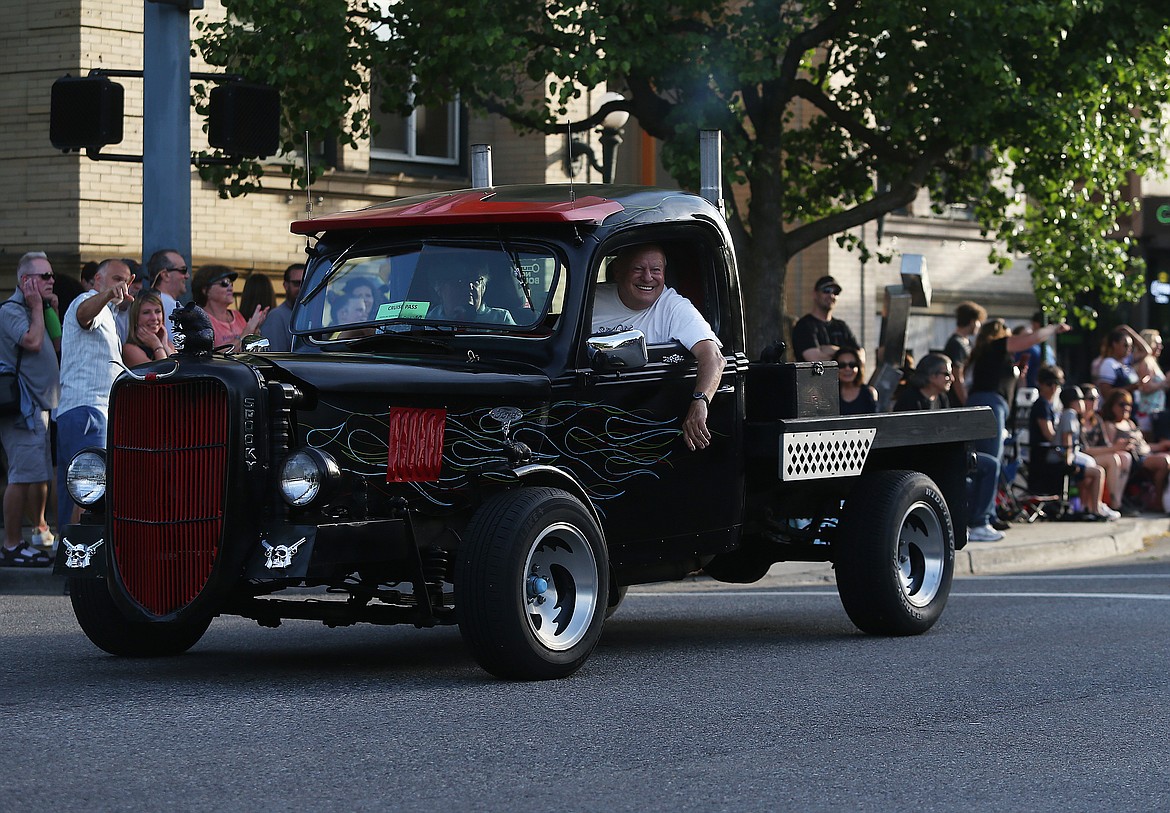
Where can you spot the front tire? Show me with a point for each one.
(616, 596)
(105, 625)
(532, 584)
(897, 553)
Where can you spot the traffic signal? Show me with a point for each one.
(244, 119)
(85, 112)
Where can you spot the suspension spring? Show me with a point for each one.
(436, 565)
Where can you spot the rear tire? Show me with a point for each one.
(532, 584)
(109, 629)
(896, 556)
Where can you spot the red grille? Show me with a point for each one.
(416, 445)
(168, 452)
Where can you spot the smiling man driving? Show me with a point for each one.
(638, 299)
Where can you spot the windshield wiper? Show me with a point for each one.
(517, 271)
(331, 273)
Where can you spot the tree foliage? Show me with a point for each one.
(834, 112)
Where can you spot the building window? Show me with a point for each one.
(428, 135)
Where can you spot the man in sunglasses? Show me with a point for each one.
(816, 336)
(461, 298)
(26, 343)
(168, 274)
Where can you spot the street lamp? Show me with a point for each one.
(610, 136)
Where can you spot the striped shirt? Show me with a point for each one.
(86, 371)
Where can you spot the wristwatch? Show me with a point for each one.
(701, 396)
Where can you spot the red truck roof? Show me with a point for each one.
(544, 204)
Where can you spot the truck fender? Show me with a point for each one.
(537, 474)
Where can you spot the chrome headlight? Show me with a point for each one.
(86, 477)
(306, 473)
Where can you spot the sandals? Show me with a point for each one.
(24, 555)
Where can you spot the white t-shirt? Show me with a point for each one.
(1109, 369)
(1068, 423)
(672, 317)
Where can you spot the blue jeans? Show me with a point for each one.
(981, 486)
(77, 429)
(991, 447)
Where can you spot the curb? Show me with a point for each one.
(1027, 546)
(1059, 544)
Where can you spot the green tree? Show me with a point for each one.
(834, 112)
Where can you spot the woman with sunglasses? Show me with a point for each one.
(1119, 429)
(857, 397)
(214, 290)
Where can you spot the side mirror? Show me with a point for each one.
(254, 343)
(617, 351)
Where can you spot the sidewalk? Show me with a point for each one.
(1027, 546)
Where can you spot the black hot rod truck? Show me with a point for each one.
(503, 471)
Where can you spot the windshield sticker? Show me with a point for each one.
(403, 310)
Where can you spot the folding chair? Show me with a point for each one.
(1015, 501)
(1048, 482)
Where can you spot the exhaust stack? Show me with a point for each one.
(711, 167)
(481, 166)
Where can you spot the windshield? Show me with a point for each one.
(496, 287)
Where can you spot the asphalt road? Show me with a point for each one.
(1044, 691)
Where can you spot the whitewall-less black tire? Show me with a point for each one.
(895, 556)
(109, 629)
(532, 584)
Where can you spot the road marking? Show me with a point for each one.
(1071, 576)
(718, 592)
(833, 593)
(1135, 596)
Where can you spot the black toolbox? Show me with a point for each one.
(804, 389)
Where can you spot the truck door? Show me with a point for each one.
(651, 489)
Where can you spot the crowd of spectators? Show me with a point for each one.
(66, 338)
(1110, 436)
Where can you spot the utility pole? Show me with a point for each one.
(166, 128)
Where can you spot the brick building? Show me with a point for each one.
(77, 209)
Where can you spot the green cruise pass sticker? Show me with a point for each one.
(403, 310)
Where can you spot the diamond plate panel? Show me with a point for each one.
(816, 455)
